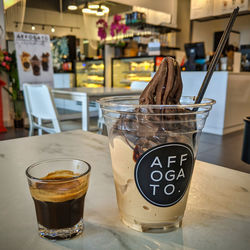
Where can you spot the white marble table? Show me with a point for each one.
(217, 215)
(86, 95)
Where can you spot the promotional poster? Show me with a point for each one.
(34, 58)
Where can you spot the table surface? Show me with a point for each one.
(217, 214)
(105, 91)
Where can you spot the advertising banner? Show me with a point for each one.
(34, 58)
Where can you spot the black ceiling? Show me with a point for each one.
(44, 4)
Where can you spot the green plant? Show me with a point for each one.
(60, 51)
(13, 88)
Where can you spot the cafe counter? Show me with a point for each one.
(232, 94)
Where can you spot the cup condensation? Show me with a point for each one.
(152, 180)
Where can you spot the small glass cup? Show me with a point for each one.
(58, 188)
(153, 150)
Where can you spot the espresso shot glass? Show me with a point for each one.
(58, 188)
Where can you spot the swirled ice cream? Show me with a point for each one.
(146, 129)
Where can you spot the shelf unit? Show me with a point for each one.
(158, 28)
(163, 47)
(90, 73)
(125, 70)
(211, 18)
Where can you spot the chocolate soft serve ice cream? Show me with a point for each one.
(153, 145)
(166, 85)
(164, 89)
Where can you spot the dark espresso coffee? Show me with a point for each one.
(57, 215)
(59, 199)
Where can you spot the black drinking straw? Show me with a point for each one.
(216, 56)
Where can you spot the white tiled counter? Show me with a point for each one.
(217, 215)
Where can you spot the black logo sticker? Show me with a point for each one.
(162, 173)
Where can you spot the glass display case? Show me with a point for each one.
(90, 73)
(133, 69)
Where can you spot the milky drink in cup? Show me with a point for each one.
(153, 142)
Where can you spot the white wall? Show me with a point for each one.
(87, 24)
(53, 18)
(183, 20)
(204, 31)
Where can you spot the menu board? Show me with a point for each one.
(34, 58)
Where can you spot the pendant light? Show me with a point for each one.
(96, 9)
(99, 11)
(86, 8)
(72, 5)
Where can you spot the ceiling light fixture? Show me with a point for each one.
(53, 29)
(33, 27)
(72, 5)
(94, 6)
(99, 11)
(43, 27)
(86, 8)
(105, 9)
(16, 24)
(85, 41)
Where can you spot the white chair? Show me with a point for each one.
(101, 121)
(138, 85)
(40, 108)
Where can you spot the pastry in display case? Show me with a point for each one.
(90, 74)
(125, 71)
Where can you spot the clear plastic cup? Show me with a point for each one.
(153, 149)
